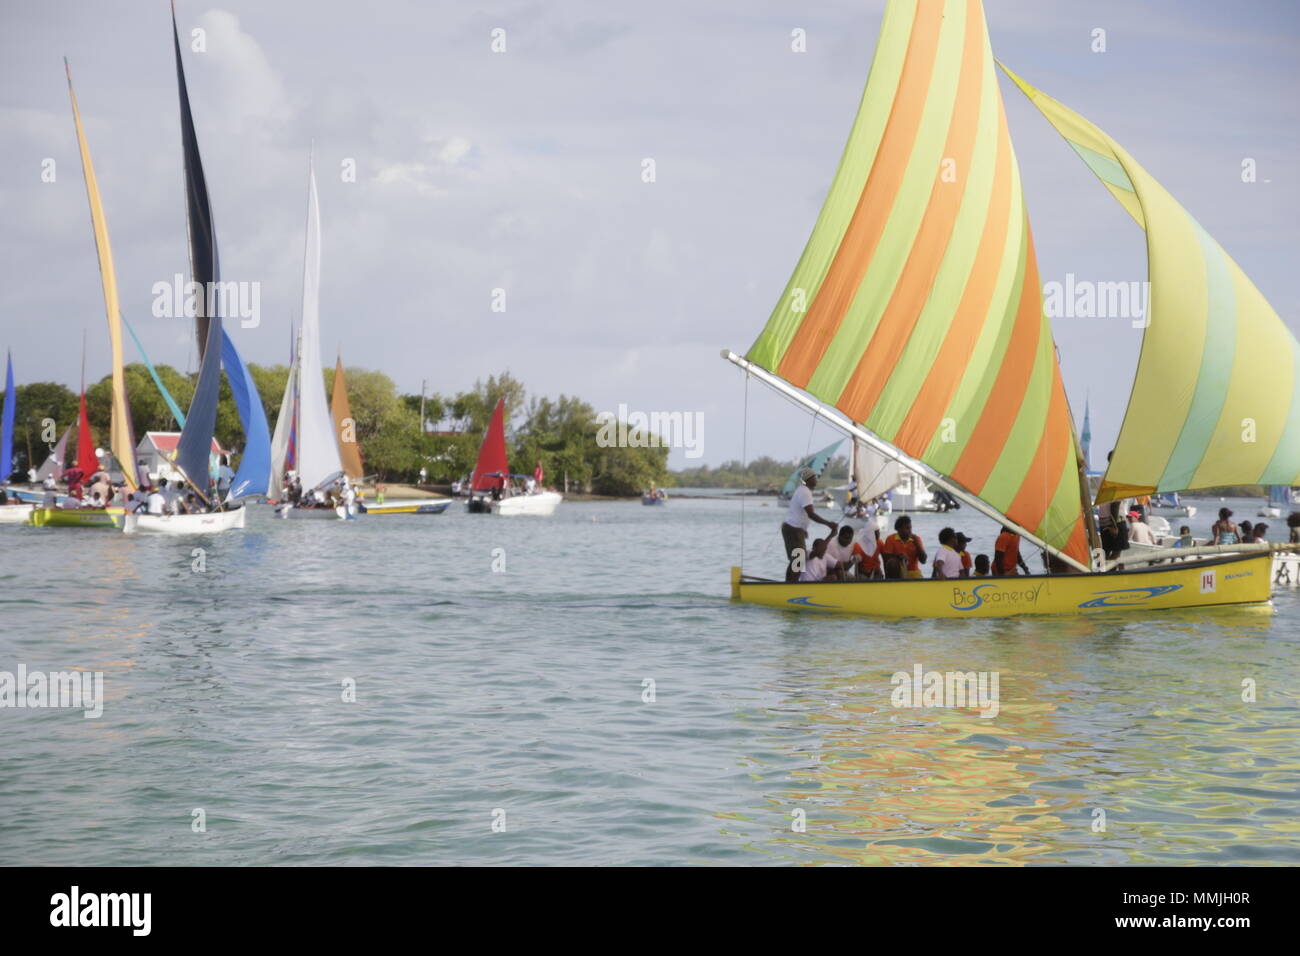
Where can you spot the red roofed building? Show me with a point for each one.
(153, 455)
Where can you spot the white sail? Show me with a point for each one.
(283, 430)
(53, 467)
(873, 472)
(318, 450)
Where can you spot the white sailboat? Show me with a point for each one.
(316, 451)
(871, 476)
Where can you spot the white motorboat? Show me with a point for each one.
(538, 504)
(209, 522)
(16, 513)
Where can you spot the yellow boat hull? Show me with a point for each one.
(77, 517)
(1243, 579)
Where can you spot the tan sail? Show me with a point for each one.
(344, 425)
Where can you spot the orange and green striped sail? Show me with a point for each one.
(121, 441)
(1216, 399)
(916, 307)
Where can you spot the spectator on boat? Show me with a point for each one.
(191, 505)
(1257, 533)
(381, 488)
(1223, 530)
(157, 502)
(947, 562)
(794, 530)
(51, 496)
(1139, 532)
(1247, 532)
(907, 546)
(981, 566)
(1293, 522)
(817, 566)
(1185, 539)
(868, 565)
(1006, 554)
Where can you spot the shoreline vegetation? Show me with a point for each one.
(559, 432)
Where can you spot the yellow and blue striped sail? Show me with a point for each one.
(1216, 400)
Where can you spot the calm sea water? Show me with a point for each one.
(518, 697)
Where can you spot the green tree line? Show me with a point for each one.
(559, 432)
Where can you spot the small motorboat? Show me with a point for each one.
(405, 506)
(655, 496)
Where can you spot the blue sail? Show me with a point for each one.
(7, 440)
(255, 465)
(817, 462)
(193, 452)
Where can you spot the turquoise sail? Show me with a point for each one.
(153, 373)
(817, 462)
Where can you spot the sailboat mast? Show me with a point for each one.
(835, 417)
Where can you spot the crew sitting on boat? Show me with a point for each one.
(981, 566)
(1224, 531)
(794, 530)
(818, 566)
(1256, 534)
(907, 546)
(947, 562)
(1139, 532)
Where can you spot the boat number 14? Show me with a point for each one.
(1207, 582)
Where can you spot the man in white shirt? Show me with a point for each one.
(839, 554)
(947, 562)
(156, 502)
(794, 530)
(51, 497)
(1139, 532)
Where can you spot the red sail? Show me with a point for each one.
(492, 453)
(86, 459)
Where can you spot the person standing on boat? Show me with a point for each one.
(51, 497)
(1006, 554)
(799, 516)
(157, 502)
(907, 547)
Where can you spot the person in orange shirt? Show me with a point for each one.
(868, 564)
(907, 546)
(1006, 553)
(962, 541)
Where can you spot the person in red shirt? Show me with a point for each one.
(907, 546)
(1006, 553)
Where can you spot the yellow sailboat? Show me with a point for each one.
(121, 440)
(914, 321)
(344, 425)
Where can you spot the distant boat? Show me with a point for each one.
(1280, 500)
(872, 476)
(655, 496)
(915, 322)
(493, 489)
(405, 506)
(315, 442)
(817, 461)
(1170, 506)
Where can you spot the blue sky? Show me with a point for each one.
(522, 170)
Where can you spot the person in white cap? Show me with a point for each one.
(794, 530)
